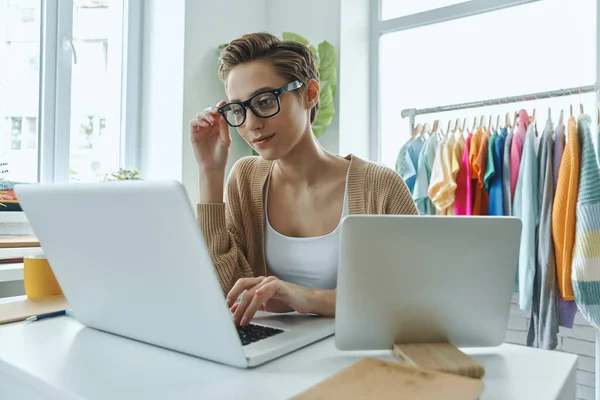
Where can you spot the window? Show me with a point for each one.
(61, 103)
(395, 9)
(96, 89)
(479, 57)
(19, 87)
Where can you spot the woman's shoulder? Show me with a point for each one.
(248, 166)
(247, 175)
(382, 189)
(375, 172)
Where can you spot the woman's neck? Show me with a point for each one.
(305, 163)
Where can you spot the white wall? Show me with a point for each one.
(316, 20)
(355, 119)
(162, 89)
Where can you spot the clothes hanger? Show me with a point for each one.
(482, 122)
(490, 122)
(507, 121)
(435, 126)
(549, 114)
(561, 119)
(580, 103)
(498, 122)
(515, 119)
(414, 132)
(417, 131)
(571, 101)
(474, 124)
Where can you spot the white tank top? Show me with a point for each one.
(311, 261)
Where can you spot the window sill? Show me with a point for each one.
(11, 272)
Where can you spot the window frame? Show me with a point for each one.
(56, 55)
(381, 27)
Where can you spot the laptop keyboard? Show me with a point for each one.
(254, 333)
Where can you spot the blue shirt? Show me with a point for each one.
(424, 167)
(496, 201)
(526, 207)
(407, 161)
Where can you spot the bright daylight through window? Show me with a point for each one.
(90, 84)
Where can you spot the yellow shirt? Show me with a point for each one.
(564, 211)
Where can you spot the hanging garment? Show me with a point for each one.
(463, 199)
(564, 211)
(490, 168)
(449, 188)
(567, 308)
(496, 202)
(437, 175)
(407, 161)
(543, 328)
(525, 207)
(480, 201)
(516, 150)
(586, 252)
(425, 166)
(559, 148)
(506, 190)
(456, 155)
(442, 187)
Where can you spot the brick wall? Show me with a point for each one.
(580, 340)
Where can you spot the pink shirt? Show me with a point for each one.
(516, 150)
(463, 196)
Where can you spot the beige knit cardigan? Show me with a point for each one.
(234, 230)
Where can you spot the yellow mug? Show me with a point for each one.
(38, 278)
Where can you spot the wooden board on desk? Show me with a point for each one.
(20, 310)
(442, 357)
(18, 241)
(371, 378)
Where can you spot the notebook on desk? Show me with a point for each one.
(374, 379)
(23, 308)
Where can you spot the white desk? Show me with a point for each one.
(60, 358)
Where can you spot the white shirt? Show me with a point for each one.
(308, 261)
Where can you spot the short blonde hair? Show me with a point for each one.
(290, 59)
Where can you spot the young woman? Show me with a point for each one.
(274, 233)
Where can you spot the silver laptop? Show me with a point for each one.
(131, 260)
(424, 279)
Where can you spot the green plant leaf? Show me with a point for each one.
(328, 65)
(295, 37)
(326, 111)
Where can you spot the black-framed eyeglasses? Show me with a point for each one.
(264, 105)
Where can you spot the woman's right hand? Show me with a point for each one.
(209, 135)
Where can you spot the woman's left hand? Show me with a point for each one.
(267, 294)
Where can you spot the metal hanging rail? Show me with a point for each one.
(412, 112)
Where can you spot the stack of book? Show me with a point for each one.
(14, 248)
(8, 199)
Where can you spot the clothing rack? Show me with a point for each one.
(413, 112)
